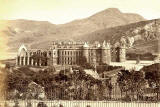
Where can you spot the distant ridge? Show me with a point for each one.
(39, 34)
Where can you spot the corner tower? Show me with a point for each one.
(158, 46)
(106, 53)
(157, 51)
(54, 54)
(86, 51)
(121, 53)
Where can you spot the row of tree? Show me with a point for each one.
(77, 85)
(141, 84)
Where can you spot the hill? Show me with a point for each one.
(140, 37)
(39, 34)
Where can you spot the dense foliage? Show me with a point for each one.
(131, 83)
(76, 85)
(153, 75)
(105, 68)
(141, 85)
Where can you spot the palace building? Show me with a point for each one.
(70, 53)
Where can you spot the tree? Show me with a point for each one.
(152, 74)
(132, 81)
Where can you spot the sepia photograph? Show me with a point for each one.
(79, 53)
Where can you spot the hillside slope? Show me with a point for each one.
(139, 37)
(40, 34)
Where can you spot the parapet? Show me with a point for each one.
(85, 45)
(79, 44)
(106, 45)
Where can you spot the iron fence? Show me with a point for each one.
(60, 103)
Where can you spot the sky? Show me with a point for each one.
(63, 11)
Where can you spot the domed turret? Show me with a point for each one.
(86, 51)
(122, 53)
(106, 53)
(104, 44)
(55, 56)
(85, 45)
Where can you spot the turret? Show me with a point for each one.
(122, 53)
(158, 46)
(54, 56)
(157, 51)
(106, 53)
(86, 51)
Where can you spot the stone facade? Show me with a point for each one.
(69, 53)
(157, 51)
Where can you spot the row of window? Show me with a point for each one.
(78, 53)
(69, 61)
(69, 58)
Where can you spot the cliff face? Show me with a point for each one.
(139, 37)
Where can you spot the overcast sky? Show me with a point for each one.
(63, 11)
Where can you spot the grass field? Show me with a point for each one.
(131, 64)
